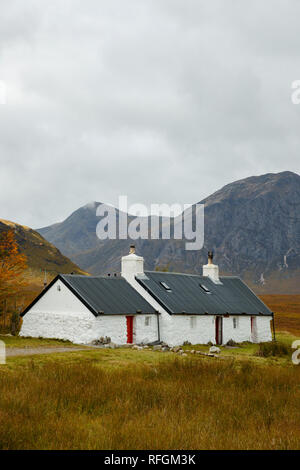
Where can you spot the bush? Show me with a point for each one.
(273, 349)
(15, 324)
(231, 343)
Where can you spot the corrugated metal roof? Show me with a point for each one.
(108, 295)
(185, 294)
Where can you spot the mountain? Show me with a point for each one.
(253, 226)
(41, 255)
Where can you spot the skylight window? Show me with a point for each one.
(165, 286)
(203, 287)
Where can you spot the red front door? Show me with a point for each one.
(129, 322)
(219, 330)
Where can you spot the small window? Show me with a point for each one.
(58, 288)
(166, 286)
(206, 290)
(235, 323)
(147, 321)
(193, 322)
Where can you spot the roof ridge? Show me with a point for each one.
(189, 274)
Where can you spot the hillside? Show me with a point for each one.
(253, 225)
(41, 255)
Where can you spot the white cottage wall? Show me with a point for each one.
(59, 314)
(200, 330)
(241, 333)
(264, 332)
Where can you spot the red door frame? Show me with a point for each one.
(219, 330)
(129, 323)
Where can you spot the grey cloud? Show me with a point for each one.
(162, 100)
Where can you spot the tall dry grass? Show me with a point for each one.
(287, 312)
(180, 404)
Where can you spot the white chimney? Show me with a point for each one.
(211, 270)
(131, 265)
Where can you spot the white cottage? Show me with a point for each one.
(144, 307)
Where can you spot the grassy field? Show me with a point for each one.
(287, 312)
(126, 399)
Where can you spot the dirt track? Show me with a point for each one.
(10, 352)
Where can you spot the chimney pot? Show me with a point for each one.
(211, 270)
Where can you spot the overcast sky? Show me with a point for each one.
(160, 100)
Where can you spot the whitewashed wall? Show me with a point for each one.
(202, 329)
(241, 333)
(181, 329)
(264, 332)
(60, 315)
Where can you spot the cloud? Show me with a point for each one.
(162, 100)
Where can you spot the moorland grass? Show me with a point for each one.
(172, 403)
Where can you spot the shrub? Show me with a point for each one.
(273, 349)
(15, 324)
(231, 343)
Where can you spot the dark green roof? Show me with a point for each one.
(185, 294)
(108, 295)
(103, 295)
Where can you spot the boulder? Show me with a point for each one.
(157, 347)
(214, 350)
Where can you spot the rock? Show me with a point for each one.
(112, 345)
(146, 346)
(135, 346)
(214, 350)
(176, 349)
(157, 347)
(184, 354)
(193, 351)
(165, 349)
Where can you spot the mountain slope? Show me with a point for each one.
(41, 255)
(253, 225)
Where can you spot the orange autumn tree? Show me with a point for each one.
(12, 265)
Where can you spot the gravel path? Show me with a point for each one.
(10, 352)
